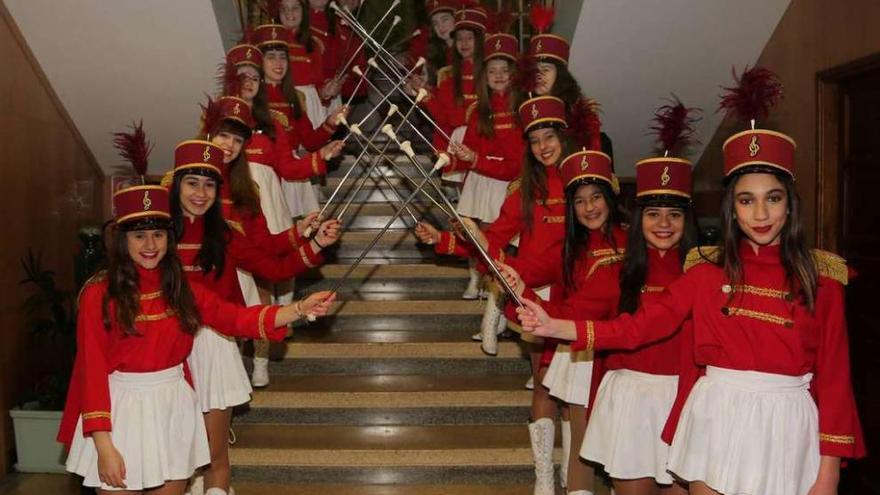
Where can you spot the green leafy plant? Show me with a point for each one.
(50, 320)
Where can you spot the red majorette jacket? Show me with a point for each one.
(159, 344)
(319, 25)
(279, 155)
(758, 325)
(306, 68)
(442, 105)
(241, 252)
(347, 44)
(500, 156)
(299, 131)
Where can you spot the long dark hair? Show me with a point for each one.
(800, 269)
(533, 178)
(635, 264)
(262, 115)
(212, 253)
(303, 31)
(287, 86)
(242, 189)
(485, 119)
(457, 62)
(122, 290)
(435, 52)
(566, 87)
(577, 236)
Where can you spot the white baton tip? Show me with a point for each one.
(394, 4)
(442, 161)
(392, 109)
(356, 129)
(407, 149)
(396, 20)
(357, 70)
(311, 317)
(334, 6)
(421, 95)
(372, 61)
(420, 62)
(416, 33)
(388, 131)
(342, 120)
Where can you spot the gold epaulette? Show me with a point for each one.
(302, 99)
(99, 277)
(513, 186)
(701, 254)
(167, 179)
(279, 117)
(320, 44)
(470, 110)
(443, 74)
(606, 260)
(831, 265)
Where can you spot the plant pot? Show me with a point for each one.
(35, 444)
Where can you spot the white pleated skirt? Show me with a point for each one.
(628, 417)
(157, 428)
(457, 136)
(314, 108)
(248, 288)
(569, 374)
(482, 197)
(300, 197)
(748, 433)
(272, 200)
(217, 371)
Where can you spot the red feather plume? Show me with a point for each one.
(228, 80)
(526, 75)
(212, 116)
(500, 22)
(541, 16)
(133, 147)
(584, 125)
(756, 91)
(674, 125)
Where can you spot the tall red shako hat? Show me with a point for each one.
(142, 207)
(199, 157)
(437, 6)
(542, 111)
(272, 37)
(666, 180)
(755, 150)
(226, 109)
(499, 43)
(471, 16)
(544, 45)
(590, 165)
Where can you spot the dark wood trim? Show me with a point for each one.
(44, 81)
(830, 109)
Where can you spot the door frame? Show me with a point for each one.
(830, 109)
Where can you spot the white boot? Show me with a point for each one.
(566, 448)
(585, 492)
(260, 376)
(218, 491)
(196, 486)
(473, 289)
(489, 326)
(541, 433)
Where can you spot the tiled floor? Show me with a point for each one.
(39, 484)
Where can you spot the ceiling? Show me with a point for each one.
(114, 61)
(630, 54)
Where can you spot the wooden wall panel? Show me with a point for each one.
(813, 36)
(51, 186)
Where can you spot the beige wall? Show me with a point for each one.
(813, 35)
(51, 187)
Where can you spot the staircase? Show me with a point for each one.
(388, 395)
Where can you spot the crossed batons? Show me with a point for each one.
(395, 70)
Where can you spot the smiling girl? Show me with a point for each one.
(132, 420)
(773, 411)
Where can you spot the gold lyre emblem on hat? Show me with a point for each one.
(147, 201)
(498, 45)
(274, 34)
(754, 147)
(207, 154)
(236, 109)
(534, 111)
(461, 15)
(248, 53)
(664, 177)
(539, 47)
(584, 163)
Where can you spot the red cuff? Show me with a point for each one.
(838, 445)
(586, 336)
(96, 421)
(309, 256)
(319, 166)
(268, 330)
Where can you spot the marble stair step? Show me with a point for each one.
(401, 163)
(308, 335)
(420, 209)
(400, 350)
(371, 193)
(489, 365)
(257, 488)
(407, 307)
(427, 323)
(393, 177)
(391, 272)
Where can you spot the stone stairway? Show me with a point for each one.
(388, 395)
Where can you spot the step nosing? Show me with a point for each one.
(390, 400)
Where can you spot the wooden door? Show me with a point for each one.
(859, 241)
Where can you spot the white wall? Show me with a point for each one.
(114, 61)
(629, 54)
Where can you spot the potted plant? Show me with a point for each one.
(50, 321)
